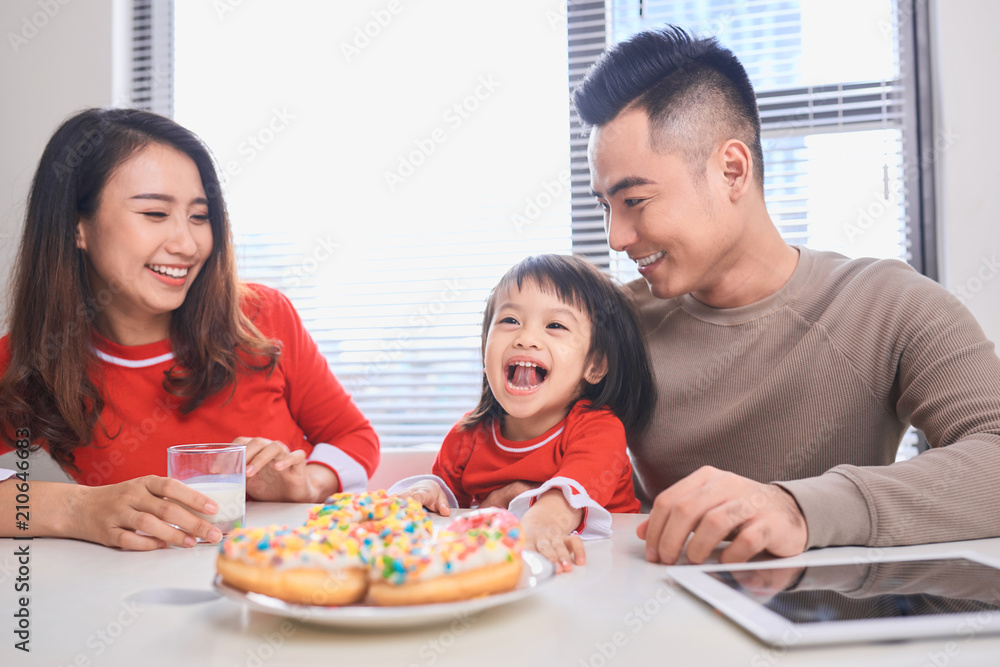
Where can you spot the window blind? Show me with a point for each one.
(837, 117)
(406, 343)
(151, 67)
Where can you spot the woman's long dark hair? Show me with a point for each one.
(51, 384)
(627, 388)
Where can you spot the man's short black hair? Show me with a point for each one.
(695, 92)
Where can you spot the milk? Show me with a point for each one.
(231, 499)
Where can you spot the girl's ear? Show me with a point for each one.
(596, 371)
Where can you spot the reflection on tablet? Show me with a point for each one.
(871, 590)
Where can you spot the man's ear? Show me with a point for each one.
(737, 167)
(81, 235)
(596, 371)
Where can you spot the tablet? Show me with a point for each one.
(798, 602)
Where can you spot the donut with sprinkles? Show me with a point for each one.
(377, 548)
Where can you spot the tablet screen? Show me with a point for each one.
(857, 591)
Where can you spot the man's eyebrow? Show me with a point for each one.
(167, 198)
(627, 182)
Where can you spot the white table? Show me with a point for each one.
(617, 610)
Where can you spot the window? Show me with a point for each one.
(836, 88)
(384, 164)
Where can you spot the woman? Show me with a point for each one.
(130, 333)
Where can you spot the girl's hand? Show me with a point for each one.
(276, 473)
(548, 527)
(136, 514)
(563, 550)
(501, 497)
(429, 494)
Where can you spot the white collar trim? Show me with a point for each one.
(493, 429)
(134, 363)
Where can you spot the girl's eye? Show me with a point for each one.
(508, 320)
(555, 325)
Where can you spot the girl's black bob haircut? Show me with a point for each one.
(627, 388)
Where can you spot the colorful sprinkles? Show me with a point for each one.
(390, 536)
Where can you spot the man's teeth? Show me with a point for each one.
(169, 270)
(646, 261)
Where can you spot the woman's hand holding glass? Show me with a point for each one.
(140, 514)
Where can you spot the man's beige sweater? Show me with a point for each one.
(813, 388)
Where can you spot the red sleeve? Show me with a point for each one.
(595, 455)
(451, 459)
(316, 399)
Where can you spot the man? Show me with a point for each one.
(786, 376)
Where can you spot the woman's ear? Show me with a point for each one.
(81, 235)
(596, 371)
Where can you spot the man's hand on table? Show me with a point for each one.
(715, 506)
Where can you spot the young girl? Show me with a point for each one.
(130, 332)
(566, 378)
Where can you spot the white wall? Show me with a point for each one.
(54, 59)
(966, 67)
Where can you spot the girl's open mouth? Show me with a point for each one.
(525, 376)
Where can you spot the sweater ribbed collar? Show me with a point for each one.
(758, 309)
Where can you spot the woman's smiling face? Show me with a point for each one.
(146, 243)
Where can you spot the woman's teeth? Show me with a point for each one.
(168, 270)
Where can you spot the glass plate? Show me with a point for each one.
(536, 571)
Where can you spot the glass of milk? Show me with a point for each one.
(217, 471)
